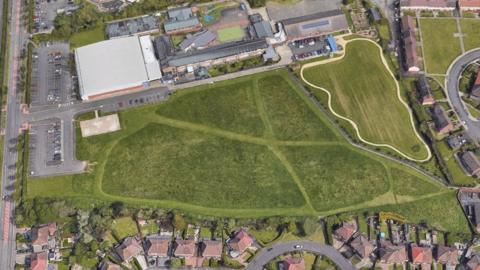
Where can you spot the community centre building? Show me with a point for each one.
(116, 65)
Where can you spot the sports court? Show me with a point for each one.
(100, 125)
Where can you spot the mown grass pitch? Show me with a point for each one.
(471, 31)
(440, 46)
(363, 91)
(230, 34)
(196, 154)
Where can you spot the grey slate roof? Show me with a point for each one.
(200, 39)
(440, 117)
(174, 25)
(470, 161)
(163, 49)
(216, 52)
(132, 26)
(314, 16)
(263, 29)
(180, 14)
(423, 87)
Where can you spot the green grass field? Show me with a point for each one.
(230, 34)
(196, 154)
(471, 31)
(87, 37)
(440, 45)
(368, 96)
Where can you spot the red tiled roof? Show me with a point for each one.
(291, 263)
(157, 246)
(447, 255)
(428, 3)
(185, 248)
(362, 246)
(421, 255)
(39, 261)
(40, 234)
(129, 248)
(345, 232)
(241, 241)
(469, 3)
(110, 266)
(474, 263)
(393, 254)
(212, 248)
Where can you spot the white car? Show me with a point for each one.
(298, 247)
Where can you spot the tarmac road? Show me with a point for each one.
(7, 225)
(268, 254)
(453, 94)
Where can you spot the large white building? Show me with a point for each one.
(116, 65)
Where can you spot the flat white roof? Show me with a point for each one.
(110, 65)
(151, 62)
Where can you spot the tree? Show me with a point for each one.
(309, 226)
(179, 222)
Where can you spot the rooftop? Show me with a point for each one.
(132, 26)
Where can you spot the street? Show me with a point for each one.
(454, 73)
(12, 126)
(266, 255)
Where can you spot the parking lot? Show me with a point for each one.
(46, 11)
(309, 48)
(51, 78)
(46, 147)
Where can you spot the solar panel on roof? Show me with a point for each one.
(315, 24)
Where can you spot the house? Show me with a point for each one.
(211, 249)
(436, 5)
(470, 163)
(198, 40)
(239, 243)
(43, 237)
(392, 254)
(441, 120)
(475, 90)
(470, 200)
(345, 232)
(474, 262)
(469, 5)
(129, 248)
(362, 247)
(424, 91)
(181, 20)
(421, 256)
(375, 14)
(447, 255)
(157, 246)
(110, 266)
(185, 248)
(39, 261)
(411, 62)
(293, 263)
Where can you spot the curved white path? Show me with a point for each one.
(354, 125)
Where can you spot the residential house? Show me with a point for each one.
(392, 254)
(157, 246)
(129, 249)
(475, 90)
(436, 5)
(470, 200)
(39, 261)
(447, 256)
(198, 40)
(474, 262)
(239, 243)
(185, 248)
(43, 237)
(293, 263)
(211, 249)
(470, 163)
(375, 14)
(469, 5)
(441, 120)
(424, 91)
(181, 20)
(422, 257)
(110, 266)
(411, 62)
(362, 247)
(345, 232)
